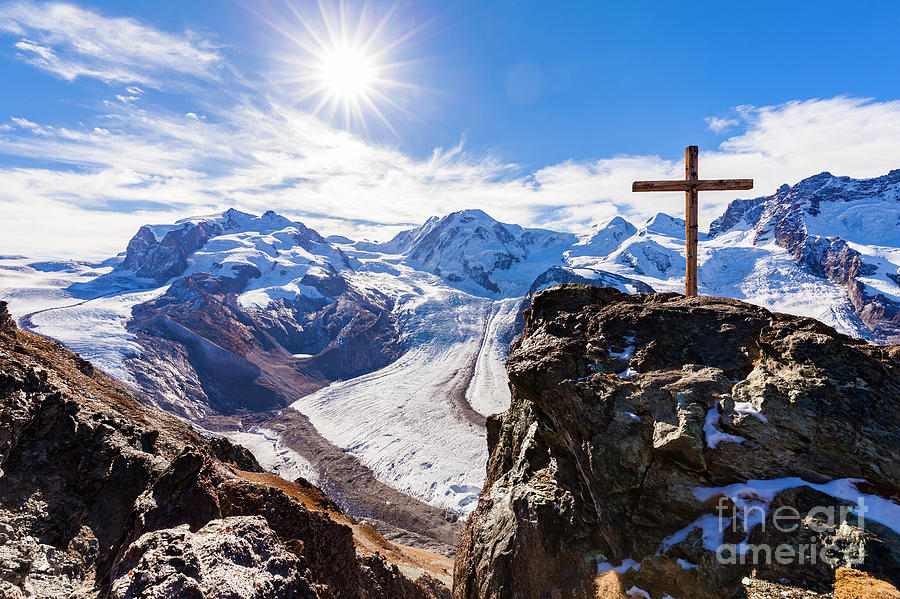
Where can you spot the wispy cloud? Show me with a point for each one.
(70, 42)
(136, 162)
(719, 125)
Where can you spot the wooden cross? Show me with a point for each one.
(691, 185)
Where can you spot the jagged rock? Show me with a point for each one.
(101, 496)
(634, 418)
(234, 558)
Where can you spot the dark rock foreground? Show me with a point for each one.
(651, 438)
(102, 496)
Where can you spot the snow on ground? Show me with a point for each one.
(28, 286)
(411, 421)
(407, 421)
(626, 565)
(730, 265)
(266, 447)
(488, 393)
(746, 407)
(868, 222)
(752, 499)
(398, 422)
(96, 329)
(79, 305)
(713, 435)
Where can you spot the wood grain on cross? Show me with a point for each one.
(691, 185)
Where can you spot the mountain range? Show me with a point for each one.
(363, 365)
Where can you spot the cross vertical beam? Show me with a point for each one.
(691, 186)
(690, 221)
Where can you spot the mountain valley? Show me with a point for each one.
(371, 368)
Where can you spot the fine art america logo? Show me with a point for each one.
(811, 535)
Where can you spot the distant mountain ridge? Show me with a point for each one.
(834, 227)
(393, 353)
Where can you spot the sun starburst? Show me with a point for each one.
(347, 68)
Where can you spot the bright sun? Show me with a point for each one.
(348, 73)
(344, 69)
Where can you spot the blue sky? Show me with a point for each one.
(540, 113)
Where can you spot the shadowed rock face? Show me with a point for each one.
(630, 418)
(232, 358)
(101, 496)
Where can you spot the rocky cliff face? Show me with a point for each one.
(101, 496)
(825, 222)
(653, 439)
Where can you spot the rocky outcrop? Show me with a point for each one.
(654, 441)
(101, 496)
(162, 259)
(232, 557)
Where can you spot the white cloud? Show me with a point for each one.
(137, 163)
(152, 166)
(719, 125)
(70, 42)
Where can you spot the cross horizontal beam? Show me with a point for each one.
(697, 184)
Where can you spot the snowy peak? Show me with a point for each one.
(827, 187)
(460, 225)
(160, 252)
(842, 230)
(825, 196)
(471, 246)
(663, 224)
(603, 239)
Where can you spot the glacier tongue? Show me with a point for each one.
(488, 391)
(410, 422)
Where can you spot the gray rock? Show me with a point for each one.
(590, 468)
(233, 558)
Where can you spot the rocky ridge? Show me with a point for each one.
(854, 212)
(102, 496)
(651, 438)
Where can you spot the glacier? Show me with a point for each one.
(452, 291)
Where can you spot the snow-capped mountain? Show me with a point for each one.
(393, 353)
(477, 253)
(844, 230)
